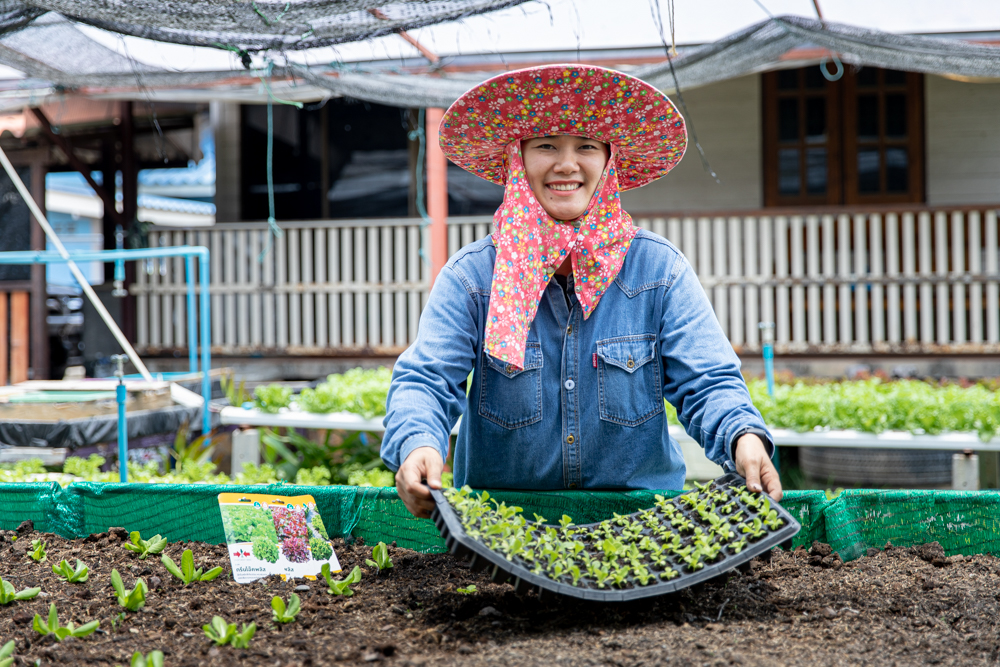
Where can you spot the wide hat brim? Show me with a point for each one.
(579, 100)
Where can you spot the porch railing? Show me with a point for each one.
(908, 280)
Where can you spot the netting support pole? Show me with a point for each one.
(437, 194)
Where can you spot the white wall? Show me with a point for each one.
(727, 118)
(963, 141)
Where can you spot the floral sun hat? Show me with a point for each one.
(482, 133)
(581, 100)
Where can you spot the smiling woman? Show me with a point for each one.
(563, 172)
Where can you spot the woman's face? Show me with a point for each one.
(563, 172)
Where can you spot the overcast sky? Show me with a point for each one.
(590, 24)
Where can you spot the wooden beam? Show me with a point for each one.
(39, 285)
(437, 194)
(75, 162)
(3, 338)
(19, 325)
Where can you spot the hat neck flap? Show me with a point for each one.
(531, 245)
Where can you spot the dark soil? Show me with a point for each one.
(894, 607)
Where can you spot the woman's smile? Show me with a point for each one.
(563, 172)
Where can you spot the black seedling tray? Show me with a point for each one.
(524, 580)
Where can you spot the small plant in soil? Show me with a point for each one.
(76, 575)
(51, 626)
(187, 572)
(341, 586)
(152, 659)
(282, 613)
(8, 594)
(380, 558)
(144, 548)
(222, 633)
(133, 600)
(699, 528)
(7, 654)
(37, 552)
(468, 590)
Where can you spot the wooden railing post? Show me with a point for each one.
(437, 194)
(20, 318)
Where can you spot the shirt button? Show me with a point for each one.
(569, 385)
(569, 329)
(570, 439)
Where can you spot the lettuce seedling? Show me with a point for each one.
(6, 654)
(187, 572)
(153, 659)
(135, 599)
(283, 614)
(51, 626)
(223, 633)
(341, 586)
(469, 590)
(381, 555)
(38, 550)
(153, 545)
(73, 576)
(8, 595)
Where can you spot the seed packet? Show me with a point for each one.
(270, 535)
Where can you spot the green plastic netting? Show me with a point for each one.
(964, 522)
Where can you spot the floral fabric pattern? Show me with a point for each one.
(585, 101)
(531, 245)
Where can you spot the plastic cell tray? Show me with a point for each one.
(524, 580)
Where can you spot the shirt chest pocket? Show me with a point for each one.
(629, 389)
(510, 397)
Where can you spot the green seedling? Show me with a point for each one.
(51, 626)
(117, 620)
(223, 633)
(8, 595)
(152, 659)
(341, 586)
(187, 572)
(38, 550)
(7, 654)
(469, 590)
(135, 599)
(76, 575)
(282, 613)
(144, 548)
(380, 554)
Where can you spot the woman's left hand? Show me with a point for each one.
(753, 463)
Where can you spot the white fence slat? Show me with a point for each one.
(992, 286)
(180, 300)
(782, 327)
(468, 234)
(322, 310)
(215, 263)
(360, 298)
(958, 329)
(347, 276)
(167, 302)
(399, 275)
(281, 309)
(229, 300)
(142, 305)
(674, 231)
(875, 262)
(814, 308)
(734, 271)
(659, 226)
(766, 268)
(926, 303)
(269, 298)
(909, 254)
(243, 279)
(796, 248)
(256, 281)
(690, 244)
(153, 267)
(333, 274)
(454, 239)
(893, 314)
(829, 289)
(860, 288)
(293, 268)
(413, 262)
(374, 339)
(385, 267)
(482, 231)
(976, 288)
(720, 270)
(844, 266)
(308, 294)
(704, 266)
(941, 269)
(751, 267)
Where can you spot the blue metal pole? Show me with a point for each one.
(769, 367)
(206, 339)
(122, 396)
(192, 330)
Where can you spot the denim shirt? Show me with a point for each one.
(586, 412)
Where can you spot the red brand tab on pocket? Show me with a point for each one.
(595, 360)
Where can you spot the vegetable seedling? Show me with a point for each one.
(341, 586)
(381, 555)
(76, 575)
(223, 633)
(152, 659)
(8, 595)
(51, 626)
(187, 572)
(285, 614)
(144, 548)
(135, 599)
(471, 588)
(38, 550)
(7, 654)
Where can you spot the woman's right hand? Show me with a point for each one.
(423, 463)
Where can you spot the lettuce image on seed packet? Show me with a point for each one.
(275, 535)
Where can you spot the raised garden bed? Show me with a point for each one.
(903, 606)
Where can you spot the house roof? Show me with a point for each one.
(71, 182)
